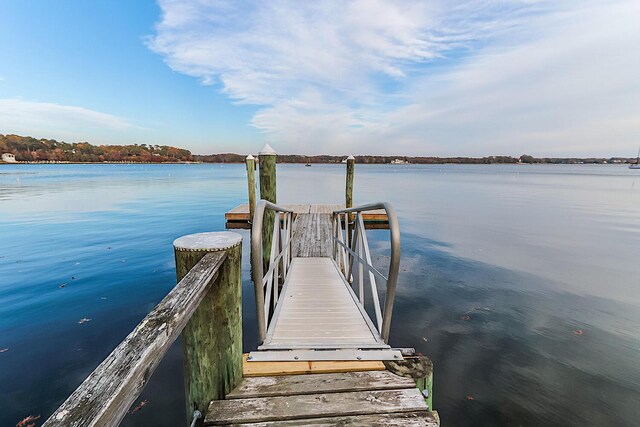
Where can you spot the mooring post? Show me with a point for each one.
(212, 339)
(351, 161)
(251, 182)
(267, 163)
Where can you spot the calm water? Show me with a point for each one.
(522, 283)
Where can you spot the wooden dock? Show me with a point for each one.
(360, 398)
(321, 360)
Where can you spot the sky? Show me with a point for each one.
(431, 77)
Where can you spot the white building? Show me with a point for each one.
(8, 158)
(399, 162)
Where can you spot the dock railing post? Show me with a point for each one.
(351, 161)
(267, 163)
(212, 339)
(251, 182)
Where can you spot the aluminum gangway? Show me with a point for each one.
(315, 285)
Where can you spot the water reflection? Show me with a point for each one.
(521, 282)
(516, 355)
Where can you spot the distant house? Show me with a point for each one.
(8, 158)
(399, 162)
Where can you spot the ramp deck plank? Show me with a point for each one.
(318, 310)
(321, 405)
(319, 383)
(408, 419)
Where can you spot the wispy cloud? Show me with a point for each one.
(434, 77)
(57, 121)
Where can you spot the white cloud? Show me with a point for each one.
(52, 120)
(474, 77)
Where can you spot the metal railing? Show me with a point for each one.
(350, 246)
(266, 285)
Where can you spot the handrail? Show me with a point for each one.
(348, 249)
(104, 398)
(266, 285)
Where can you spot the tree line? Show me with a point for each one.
(28, 149)
(525, 158)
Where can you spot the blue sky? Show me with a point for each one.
(482, 77)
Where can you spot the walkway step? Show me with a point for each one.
(408, 419)
(322, 405)
(319, 383)
(259, 369)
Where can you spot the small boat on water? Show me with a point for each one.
(636, 165)
(308, 162)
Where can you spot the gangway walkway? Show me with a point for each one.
(318, 310)
(319, 259)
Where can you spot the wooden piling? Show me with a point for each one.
(267, 162)
(212, 339)
(349, 190)
(251, 182)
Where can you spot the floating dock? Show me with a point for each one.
(239, 217)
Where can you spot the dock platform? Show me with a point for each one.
(360, 398)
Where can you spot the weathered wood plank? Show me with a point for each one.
(312, 235)
(408, 419)
(322, 405)
(104, 398)
(319, 383)
(261, 369)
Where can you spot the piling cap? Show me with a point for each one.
(351, 158)
(215, 241)
(249, 157)
(267, 150)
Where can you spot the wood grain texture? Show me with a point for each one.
(212, 339)
(318, 383)
(261, 369)
(322, 405)
(104, 398)
(312, 235)
(407, 419)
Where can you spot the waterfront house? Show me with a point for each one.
(8, 158)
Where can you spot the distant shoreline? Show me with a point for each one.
(29, 150)
(472, 161)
